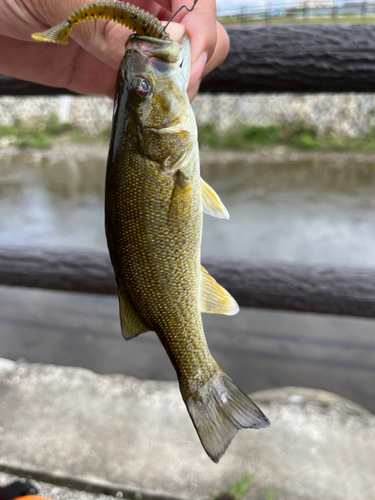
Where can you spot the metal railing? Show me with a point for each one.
(299, 11)
(269, 285)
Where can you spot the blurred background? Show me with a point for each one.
(297, 174)
(278, 11)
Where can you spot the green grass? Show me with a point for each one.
(41, 134)
(294, 135)
(239, 489)
(271, 493)
(299, 136)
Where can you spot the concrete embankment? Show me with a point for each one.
(122, 436)
(347, 114)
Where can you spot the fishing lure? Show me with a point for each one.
(138, 20)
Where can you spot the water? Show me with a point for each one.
(299, 209)
(308, 210)
(52, 201)
(303, 210)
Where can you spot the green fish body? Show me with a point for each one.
(154, 206)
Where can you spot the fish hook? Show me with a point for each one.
(178, 10)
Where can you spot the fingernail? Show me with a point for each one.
(196, 69)
(175, 31)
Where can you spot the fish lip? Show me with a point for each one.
(167, 51)
(148, 39)
(157, 41)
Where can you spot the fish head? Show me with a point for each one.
(153, 77)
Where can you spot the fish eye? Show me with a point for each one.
(141, 86)
(182, 63)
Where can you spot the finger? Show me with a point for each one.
(196, 70)
(221, 50)
(194, 91)
(106, 40)
(200, 26)
(102, 38)
(200, 68)
(208, 39)
(28, 61)
(175, 30)
(17, 20)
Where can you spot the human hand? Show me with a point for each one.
(88, 65)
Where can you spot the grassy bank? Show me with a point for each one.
(43, 134)
(294, 135)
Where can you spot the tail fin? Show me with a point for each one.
(218, 410)
(57, 34)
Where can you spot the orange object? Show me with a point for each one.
(31, 497)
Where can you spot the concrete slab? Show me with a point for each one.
(135, 436)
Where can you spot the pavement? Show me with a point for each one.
(131, 438)
(260, 349)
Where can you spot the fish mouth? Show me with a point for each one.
(164, 50)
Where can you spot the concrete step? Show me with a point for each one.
(130, 436)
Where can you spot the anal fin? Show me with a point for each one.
(214, 298)
(212, 204)
(131, 325)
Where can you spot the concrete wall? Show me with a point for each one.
(350, 114)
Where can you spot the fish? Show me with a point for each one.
(154, 204)
(155, 199)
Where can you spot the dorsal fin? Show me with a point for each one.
(212, 204)
(214, 298)
(131, 325)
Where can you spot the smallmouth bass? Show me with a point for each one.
(154, 207)
(155, 199)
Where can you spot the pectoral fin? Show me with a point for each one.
(212, 204)
(214, 298)
(131, 325)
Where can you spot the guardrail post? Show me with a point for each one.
(305, 9)
(363, 9)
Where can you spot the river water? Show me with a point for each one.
(302, 210)
(283, 206)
